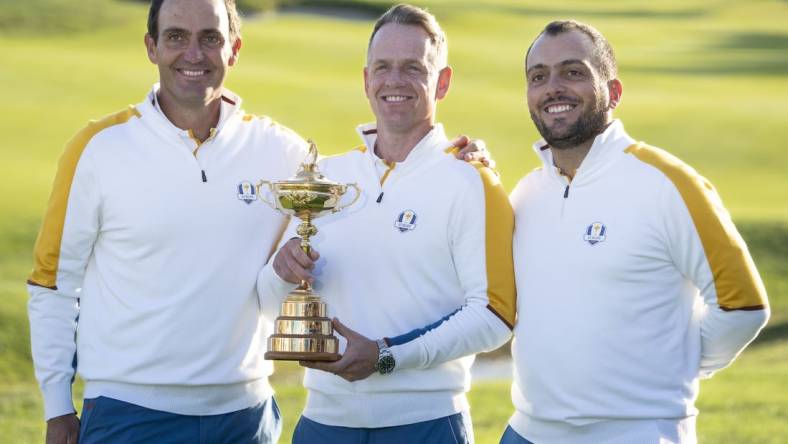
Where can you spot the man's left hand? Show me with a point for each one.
(359, 359)
(473, 149)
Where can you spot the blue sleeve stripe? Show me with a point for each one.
(417, 332)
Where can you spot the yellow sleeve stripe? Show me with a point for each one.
(499, 227)
(46, 254)
(738, 285)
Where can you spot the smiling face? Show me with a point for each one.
(193, 51)
(568, 100)
(401, 79)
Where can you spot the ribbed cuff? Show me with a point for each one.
(57, 399)
(407, 355)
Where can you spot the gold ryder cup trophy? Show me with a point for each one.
(302, 331)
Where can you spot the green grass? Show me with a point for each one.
(56, 17)
(703, 79)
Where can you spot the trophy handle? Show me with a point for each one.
(358, 194)
(260, 193)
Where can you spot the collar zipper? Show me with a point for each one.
(199, 145)
(567, 183)
(390, 166)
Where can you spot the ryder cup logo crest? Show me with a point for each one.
(406, 221)
(595, 233)
(247, 192)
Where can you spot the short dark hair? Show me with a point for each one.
(404, 14)
(604, 56)
(232, 15)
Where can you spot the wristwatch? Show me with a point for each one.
(386, 363)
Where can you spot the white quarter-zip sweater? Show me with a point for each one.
(632, 283)
(150, 252)
(428, 236)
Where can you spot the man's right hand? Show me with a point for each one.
(293, 265)
(63, 429)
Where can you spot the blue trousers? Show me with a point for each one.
(107, 420)
(512, 437)
(454, 429)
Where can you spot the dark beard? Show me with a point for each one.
(591, 123)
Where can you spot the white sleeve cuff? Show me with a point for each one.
(724, 334)
(407, 355)
(471, 330)
(57, 399)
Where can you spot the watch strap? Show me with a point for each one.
(386, 361)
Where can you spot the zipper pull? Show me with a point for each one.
(380, 198)
(566, 191)
(204, 177)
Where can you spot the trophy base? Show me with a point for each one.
(301, 356)
(284, 347)
(302, 331)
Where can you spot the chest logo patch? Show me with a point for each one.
(595, 233)
(406, 221)
(247, 192)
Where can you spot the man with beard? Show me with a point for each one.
(632, 280)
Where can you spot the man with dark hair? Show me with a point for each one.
(633, 282)
(142, 282)
(602, 54)
(233, 20)
(425, 250)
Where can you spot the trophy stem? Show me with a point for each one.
(306, 230)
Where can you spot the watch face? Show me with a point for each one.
(385, 364)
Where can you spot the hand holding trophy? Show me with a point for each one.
(302, 331)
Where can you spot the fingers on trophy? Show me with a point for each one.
(303, 332)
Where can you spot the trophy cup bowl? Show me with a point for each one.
(302, 331)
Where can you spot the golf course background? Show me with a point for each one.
(707, 80)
